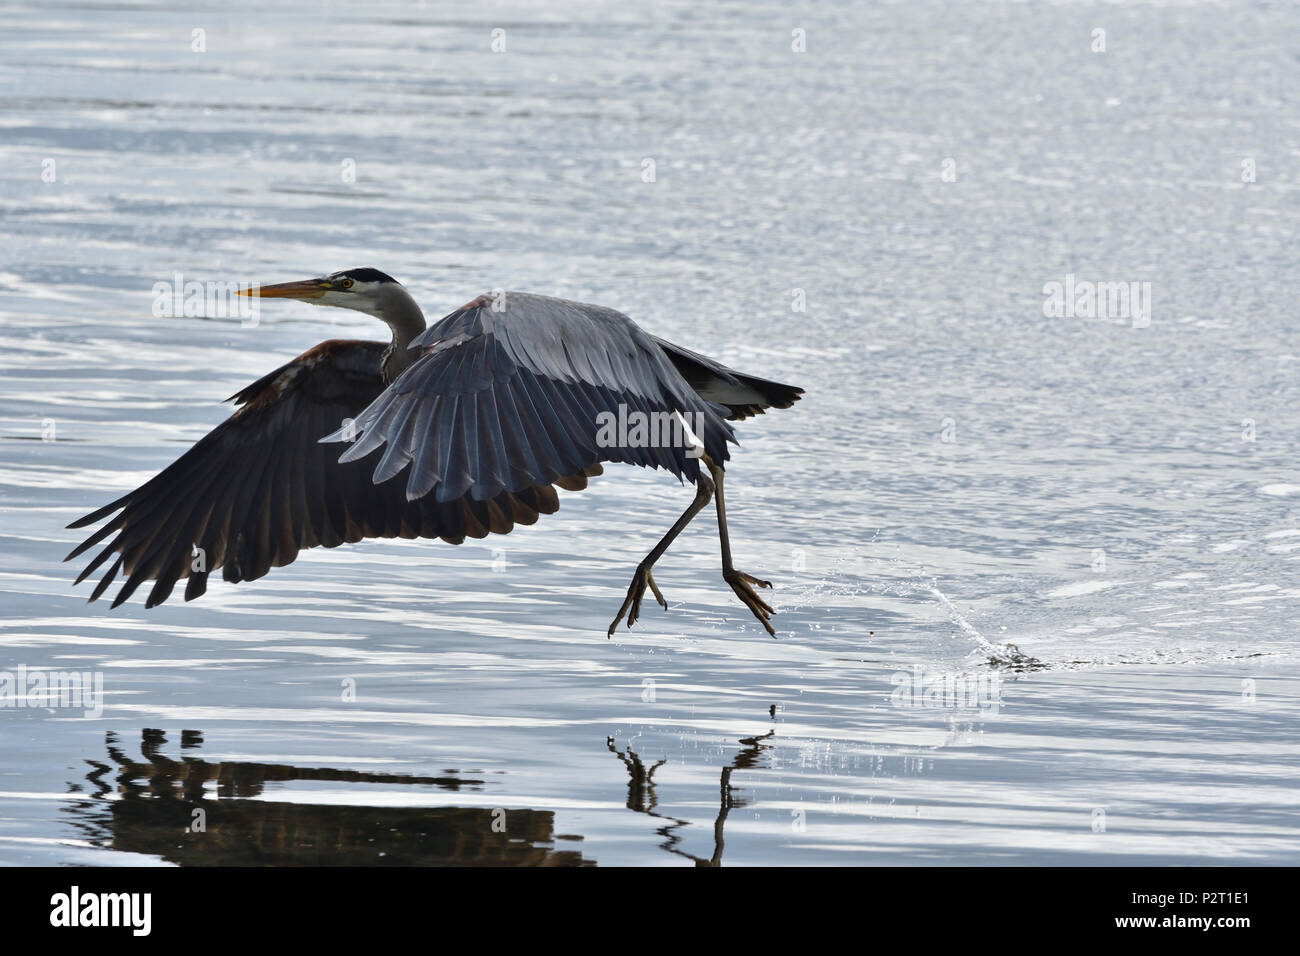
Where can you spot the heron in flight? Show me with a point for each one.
(487, 411)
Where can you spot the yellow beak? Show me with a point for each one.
(307, 289)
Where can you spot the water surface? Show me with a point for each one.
(1091, 527)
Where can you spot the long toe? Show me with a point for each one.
(740, 582)
(632, 603)
(627, 601)
(614, 624)
(654, 588)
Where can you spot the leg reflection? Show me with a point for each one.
(641, 795)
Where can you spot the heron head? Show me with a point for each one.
(365, 290)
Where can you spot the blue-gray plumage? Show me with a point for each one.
(508, 393)
(456, 430)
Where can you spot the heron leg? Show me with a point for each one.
(643, 578)
(740, 581)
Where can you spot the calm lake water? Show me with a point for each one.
(1036, 576)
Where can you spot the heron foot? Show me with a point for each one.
(635, 592)
(740, 583)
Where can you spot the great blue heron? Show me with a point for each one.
(487, 410)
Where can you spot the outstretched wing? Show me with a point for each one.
(744, 395)
(518, 390)
(260, 488)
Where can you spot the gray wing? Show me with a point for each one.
(743, 395)
(524, 389)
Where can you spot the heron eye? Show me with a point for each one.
(346, 283)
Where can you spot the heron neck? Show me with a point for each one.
(406, 321)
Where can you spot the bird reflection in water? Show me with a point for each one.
(156, 806)
(641, 795)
